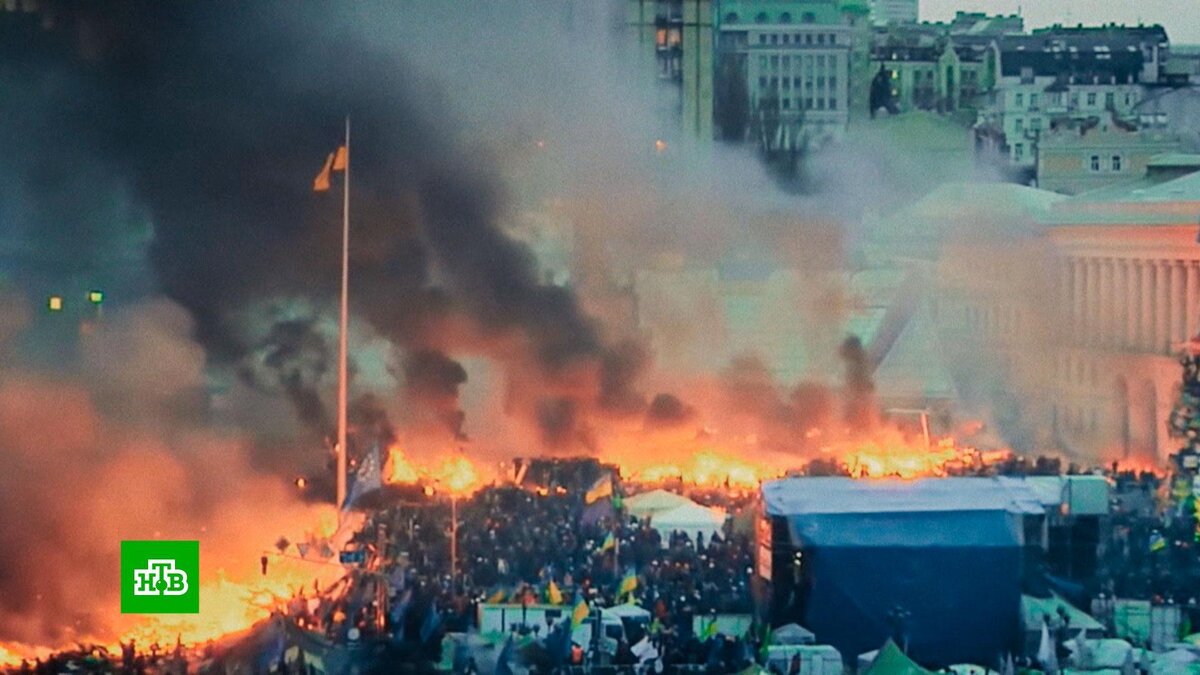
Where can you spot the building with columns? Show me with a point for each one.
(1128, 266)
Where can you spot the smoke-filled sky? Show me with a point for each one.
(167, 150)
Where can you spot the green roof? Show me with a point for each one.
(1175, 159)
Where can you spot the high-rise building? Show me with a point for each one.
(674, 39)
(796, 59)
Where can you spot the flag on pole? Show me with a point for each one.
(710, 630)
(553, 594)
(600, 489)
(368, 478)
(628, 584)
(579, 613)
(610, 542)
(336, 161)
(1157, 542)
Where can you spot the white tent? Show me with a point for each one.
(627, 611)
(646, 504)
(691, 519)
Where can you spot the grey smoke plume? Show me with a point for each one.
(215, 116)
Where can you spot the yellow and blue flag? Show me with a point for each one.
(579, 613)
(628, 584)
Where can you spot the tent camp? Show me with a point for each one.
(691, 519)
(891, 661)
(646, 504)
(792, 634)
(847, 554)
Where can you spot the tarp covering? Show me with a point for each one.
(872, 546)
(892, 661)
(792, 634)
(1034, 610)
(690, 518)
(647, 504)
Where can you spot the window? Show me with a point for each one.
(1091, 99)
(820, 62)
(774, 82)
(1116, 162)
(808, 17)
(1033, 101)
(820, 38)
(775, 62)
(731, 17)
(774, 38)
(808, 102)
(1128, 99)
(1019, 152)
(820, 104)
(1019, 124)
(761, 17)
(808, 38)
(796, 82)
(1019, 99)
(787, 62)
(833, 81)
(787, 103)
(1035, 123)
(832, 39)
(787, 83)
(821, 82)
(762, 83)
(833, 104)
(786, 37)
(786, 17)
(1110, 100)
(762, 63)
(762, 39)
(1074, 99)
(1094, 163)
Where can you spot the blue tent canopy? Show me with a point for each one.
(946, 551)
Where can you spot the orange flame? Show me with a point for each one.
(397, 470)
(458, 475)
(455, 474)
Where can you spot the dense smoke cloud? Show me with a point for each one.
(118, 452)
(215, 117)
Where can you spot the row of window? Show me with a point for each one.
(1091, 99)
(786, 83)
(808, 103)
(763, 17)
(1097, 163)
(797, 38)
(785, 62)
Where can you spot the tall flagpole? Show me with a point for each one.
(342, 330)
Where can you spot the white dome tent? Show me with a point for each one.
(691, 518)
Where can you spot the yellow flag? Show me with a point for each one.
(321, 182)
(341, 159)
(553, 594)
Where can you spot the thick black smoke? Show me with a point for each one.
(432, 380)
(214, 116)
(860, 409)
